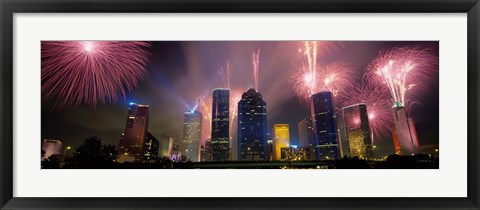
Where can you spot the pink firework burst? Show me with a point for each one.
(378, 107)
(335, 77)
(91, 72)
(405, 71)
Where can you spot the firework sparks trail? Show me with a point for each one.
(225, 74)
(255, 62)
(235, 97)
(205, 108)
(311, 53)
(91, 72)
(310, 78)
(378, 107)
(335, 77)
(405, 71)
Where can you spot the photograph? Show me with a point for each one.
(305, 104)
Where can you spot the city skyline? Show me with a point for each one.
(277, 113)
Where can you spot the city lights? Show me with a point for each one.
(223, 105)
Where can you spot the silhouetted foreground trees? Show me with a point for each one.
(92, 154)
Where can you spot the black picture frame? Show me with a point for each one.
(10, 7)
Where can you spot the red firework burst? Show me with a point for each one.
(91, 72)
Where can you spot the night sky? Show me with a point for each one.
(179, 72)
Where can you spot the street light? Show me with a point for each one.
(65, 152)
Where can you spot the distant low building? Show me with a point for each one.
(176, 154)
(294, 153)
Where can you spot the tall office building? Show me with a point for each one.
(166, 143)
(406, 134)
(252, 126)
(220, 124)
(324, 121)
(357, 128)
(150, 154)
(306, 133)
(192, 128)
(132, 141)
(281, 139)
(52, 147)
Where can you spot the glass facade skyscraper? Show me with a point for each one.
(306, 133)
(220, 124)
(192, 128)
(357, 127)
(281, 139)
(324, 121)
(252, 126)
(405, 133)
(132, 141)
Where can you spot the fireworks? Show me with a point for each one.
(405, 71)
(205, 107)
(310, 78)
(235, 97)
(255, 62)
(225, 74)
(378, 107)
(91, 72)
(334, 77)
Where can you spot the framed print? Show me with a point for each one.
(239, 105)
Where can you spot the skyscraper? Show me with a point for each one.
(132, 141)
(306, 133)
(405, 131)
(192, 127)
(323, 115)
(252, 126)
(358, 131)
(281, 139)
(150, 154)
(220, 124)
